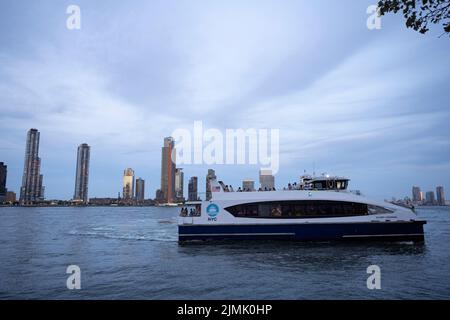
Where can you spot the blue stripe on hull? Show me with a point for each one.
(306, 232)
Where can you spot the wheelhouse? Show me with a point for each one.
(324, 183)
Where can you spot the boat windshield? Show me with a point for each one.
(328, 184)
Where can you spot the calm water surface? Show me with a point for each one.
(133, 253)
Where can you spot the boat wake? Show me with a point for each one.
(157, 234)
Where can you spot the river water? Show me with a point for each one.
(133, 253)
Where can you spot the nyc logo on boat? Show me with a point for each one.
(212, 210)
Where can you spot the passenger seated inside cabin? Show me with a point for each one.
(198, 211)
(276, 211)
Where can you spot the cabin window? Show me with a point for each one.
(378, 210)
(318, 185)
(304, 209)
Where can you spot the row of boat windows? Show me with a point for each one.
(304, 209)
(330, 185)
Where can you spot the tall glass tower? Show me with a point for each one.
(32, 189)
(3, 190)
(168, 168)
(128, 184)
(140, 190)
(82, 173)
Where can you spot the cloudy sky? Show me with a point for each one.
(369, 104)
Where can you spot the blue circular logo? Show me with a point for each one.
(212, 210)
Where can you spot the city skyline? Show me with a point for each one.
(344, 98)
(134, 189)
(429, 197)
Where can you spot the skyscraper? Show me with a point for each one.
(140, 190)
(210, 176)
(248, 185)
(82, 173)
(440, 196)
(128, 184)
(32, 189)
(193, 189)
(417, 195)
(179, 184)
(168, 165)
(266, 180)
(3, 190)
(430, 199)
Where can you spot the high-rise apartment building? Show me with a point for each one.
(430, 199)
(417, 195)
(179, 184)
(140, 190)
(440, 196)
(210, 176)
(82, 173)
(128, 184)
(193, 189)
(32, 189)
(248, 185)
(3, 174)
(266, 180)
(168, 166)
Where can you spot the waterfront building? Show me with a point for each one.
(179, 184)
(103, 201)
(82, 173)
(140, 190)
(417, 195)
(248, 185)
(32, 189)
(440, 196)
(266, 180)
(128, 184)
(209, 177)
(3, 174)
(159, 196)
(10, 197)
(430, 199)
(168, 166)
(193, 189)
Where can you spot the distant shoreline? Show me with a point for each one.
(63, 206)
(133, 206)
(431, 207)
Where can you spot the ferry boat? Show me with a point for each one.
(316, 209)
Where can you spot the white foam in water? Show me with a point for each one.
(111, 233)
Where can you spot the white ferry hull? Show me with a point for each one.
(384, 231)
